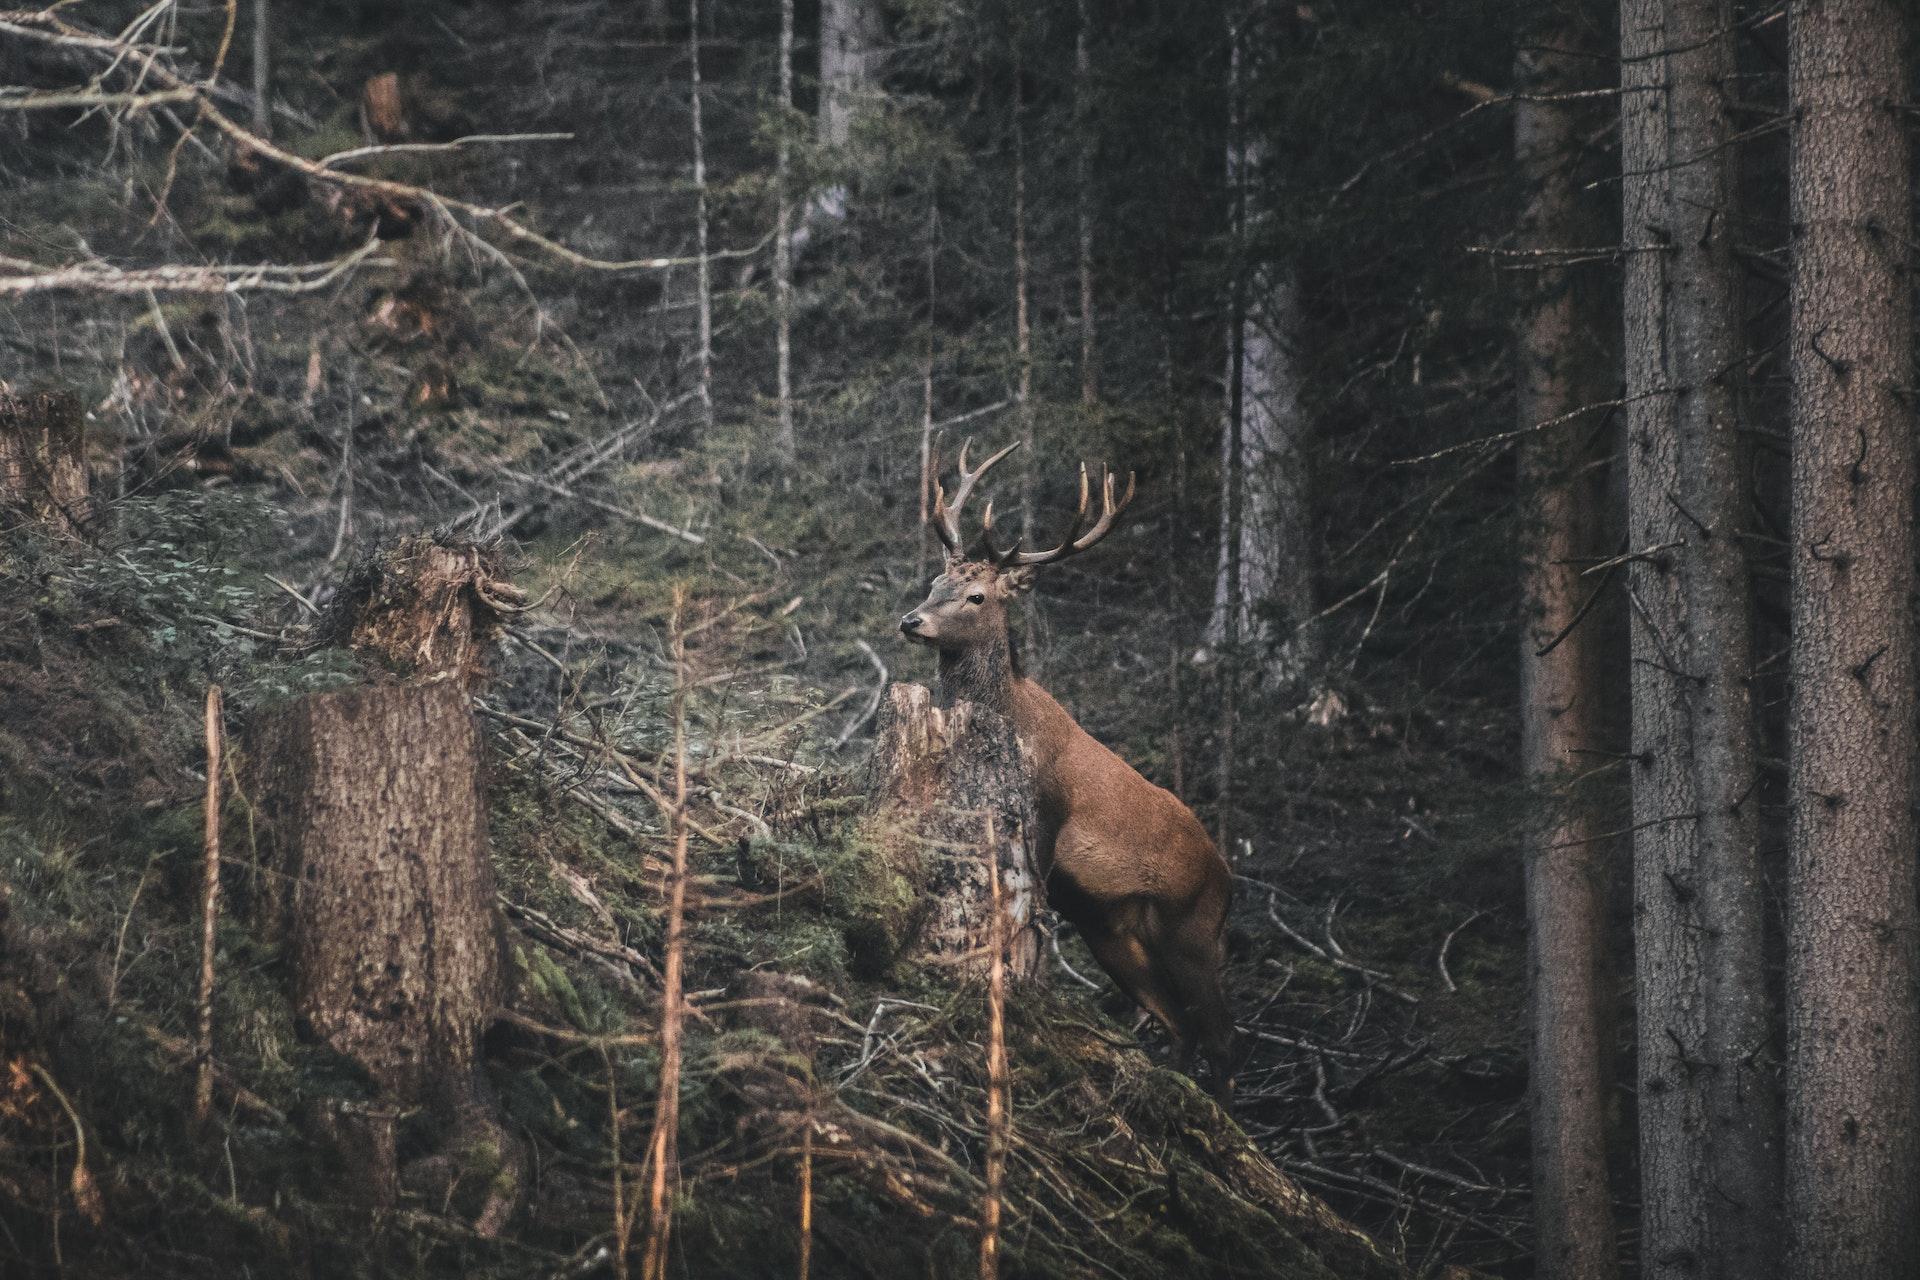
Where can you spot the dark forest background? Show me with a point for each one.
(1288, 263)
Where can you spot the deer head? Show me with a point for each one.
(966, 608)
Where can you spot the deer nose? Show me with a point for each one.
(911, 623)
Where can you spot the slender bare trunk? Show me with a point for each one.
(782, 242)
(263, 68)
(1562, 476)
(705, 284)
(923, 535)
(996, 1063)
(1668, 940)
(663, 1153)
(209, 911)
(1022, 322)
(1853, 1150)
(1083, 197)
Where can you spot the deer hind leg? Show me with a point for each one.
(1125, 958)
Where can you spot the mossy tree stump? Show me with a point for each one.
(43, 458)
(935, 777)
(373, 825)
(375, 829)
(423, 605)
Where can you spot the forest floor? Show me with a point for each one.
(1378, 964)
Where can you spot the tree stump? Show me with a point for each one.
(422, 606)
(936, 776)
(369, 800)
(43, 458)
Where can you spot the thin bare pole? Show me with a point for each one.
(209, 912)
(783, 240)
(700, 220)
(1022, 325)
(663, 1153)
(1083, 175)
(996, 1170)
(926, 378)
(806, 1195)
(262, 68)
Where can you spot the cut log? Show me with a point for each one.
(423, 606)
(934, 776)
(374, 829)
(382, 109)
(43, 458)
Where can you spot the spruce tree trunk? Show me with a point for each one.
(372, 813)
(1562, 479)
(1706, 352)
(934, 776)
(1853, 1152)
(1267, 559)
(43, 458)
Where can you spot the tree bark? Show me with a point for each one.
(705, 276)
(1853, 1152)
(934, 776)
(375, 831)
(422, 606)
(43, 458)
(1263, 597)
(850, 33)
(263, 68)
(1709, 1117)
(1562, 476)
(782, 242)
(1083, 201)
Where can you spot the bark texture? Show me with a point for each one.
(1562, 478)
(934, 774)
(376, 830)
(1263, 596)
(43, 458)
(423, 605)
(1709, 1113)
(1853, 1150)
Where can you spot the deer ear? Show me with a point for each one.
(1017, 581)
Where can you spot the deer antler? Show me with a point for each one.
(946, 519)
(1075, 542)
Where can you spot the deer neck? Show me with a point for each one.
(984, 674)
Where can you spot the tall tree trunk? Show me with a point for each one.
(850, 33)
(1709, 1117)
(782, 247)
(1266, 559)
(1668, 939)
(1022, 319)
(1083, 201)
(705, 281)
(1563, 488)
(263, 67)
(1853, 1149)
(1706, 350)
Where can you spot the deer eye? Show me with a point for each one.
(977, 598)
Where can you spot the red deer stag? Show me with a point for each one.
(1125, 861)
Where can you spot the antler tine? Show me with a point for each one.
(1075, 541)
(946, 516)
(987, 549)
(1107, 511)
